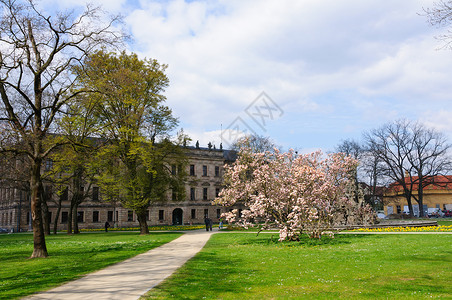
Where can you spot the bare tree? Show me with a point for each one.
(391, 144)
(256, 143)
(369, 170)
(440, 15)
(354, 149)
(37, 53)
(428, 158)
(351, 148)
(411, 155)
(371, 167)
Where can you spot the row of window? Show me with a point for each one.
(193, 214)
(6, 194)
(64, 196)
(204, 193)
(6, 219)
(95, 193)
(206, 213)
(399, 208)
(49, 165)
(204, 171)
(81, 216)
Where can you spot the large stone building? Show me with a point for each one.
(205, 173)
(436, 195)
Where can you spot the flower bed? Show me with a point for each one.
(443, 228)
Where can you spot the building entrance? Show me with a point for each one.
(177, 216)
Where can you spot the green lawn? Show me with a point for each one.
(243, 266)
(444, 221)
(70, 257)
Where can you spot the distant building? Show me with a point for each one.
(205, 179)
(437, 194)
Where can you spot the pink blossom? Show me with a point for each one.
(295, 193)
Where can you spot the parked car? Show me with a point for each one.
(381, 215)
(435, 213)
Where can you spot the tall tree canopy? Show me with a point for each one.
(37, 53)
(136, 166)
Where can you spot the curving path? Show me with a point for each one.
(133, 277)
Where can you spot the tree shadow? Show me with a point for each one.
(304, 240)
(205, 276)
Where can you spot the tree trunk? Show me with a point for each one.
(75, 218)
(355, 175)
(45, 216)
(57, 214)
(69, 218)
(420, 199)
(410, 205)
(45, 210)
(76, 197)
(142, 221)
(39, 243)
(374, 185)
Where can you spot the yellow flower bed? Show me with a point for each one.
(442, 228)
(151, 228)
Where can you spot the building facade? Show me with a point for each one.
(436, 195)
(205, 178)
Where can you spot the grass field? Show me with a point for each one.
(70, 257)
(445, 221)
(243, 266)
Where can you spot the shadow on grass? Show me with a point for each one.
(199, 282)
(439, 259)
(305, 241)
(415, 289)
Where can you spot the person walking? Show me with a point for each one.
(210, 224)
(107, 225)
(207, 221)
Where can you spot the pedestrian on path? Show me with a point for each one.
(107, 225)
(207, 222)
(210, 224)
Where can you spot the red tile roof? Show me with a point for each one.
(439, 182)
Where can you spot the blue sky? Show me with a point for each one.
(332, 69)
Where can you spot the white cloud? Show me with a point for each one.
(440, 120)
(205, 137)
(332, 66)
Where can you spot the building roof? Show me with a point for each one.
(230, 155)
(438, 182)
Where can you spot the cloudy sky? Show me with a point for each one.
(307, 73)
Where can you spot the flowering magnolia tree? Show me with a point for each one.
(295, 193)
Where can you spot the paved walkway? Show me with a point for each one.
(133, 277)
